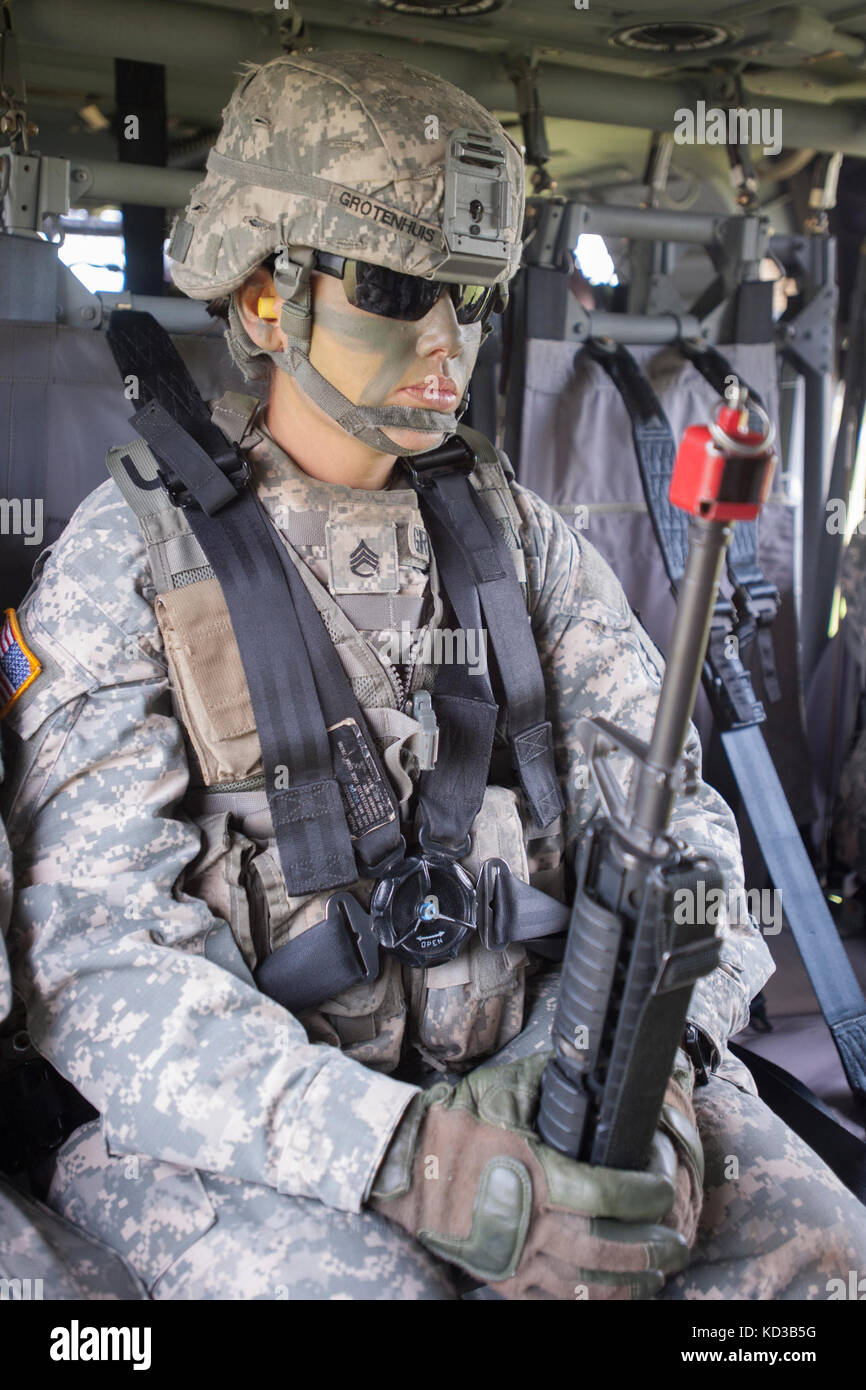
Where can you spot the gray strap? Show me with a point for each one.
(134, 469)
(378, 612)
(174, 555)
(323, 190)
(210, 800)
(836, 987)
(233, 414)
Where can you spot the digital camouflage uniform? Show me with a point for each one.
(234, 1156)
(43, 1256)
(238, 1144)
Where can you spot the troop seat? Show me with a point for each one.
(63, 407)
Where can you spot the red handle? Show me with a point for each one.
(723, 472)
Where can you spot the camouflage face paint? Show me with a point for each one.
(369, 357)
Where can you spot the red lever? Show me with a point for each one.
(723, 471)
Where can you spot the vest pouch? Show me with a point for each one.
(210, 687)
(218, 876)
(368, 1021)
(470, 1007)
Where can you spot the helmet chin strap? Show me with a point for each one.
(364, 422)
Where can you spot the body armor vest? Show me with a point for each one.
(366, 561)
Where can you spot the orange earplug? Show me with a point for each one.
(267, 308)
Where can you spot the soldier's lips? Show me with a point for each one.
(444, 397)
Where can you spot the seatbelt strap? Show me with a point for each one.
(303, 793)
(789, 867)
(738, 714)
(329, 958)
(469, 537)
(259, 584)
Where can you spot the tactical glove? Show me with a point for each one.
(467, 1175)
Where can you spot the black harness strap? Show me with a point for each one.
(263, 594)
(809, 1117)
(309, 823)
(469, 535)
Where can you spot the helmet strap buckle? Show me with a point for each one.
(292, 271)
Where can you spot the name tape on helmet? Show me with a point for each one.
(368, 208)
(359, 205)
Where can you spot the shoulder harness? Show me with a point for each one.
(333, 809)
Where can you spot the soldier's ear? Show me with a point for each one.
(258, 308)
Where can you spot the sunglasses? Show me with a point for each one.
(393, 295)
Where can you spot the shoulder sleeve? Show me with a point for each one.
(5, 912)
(598, 661)
(183, 1056)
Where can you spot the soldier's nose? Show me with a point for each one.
(439, 331)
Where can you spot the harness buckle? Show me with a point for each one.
(756, 606)
(344, 909)
(427, 750)
(238, 474)
(488, 878)
(424, 911)
(452, 456)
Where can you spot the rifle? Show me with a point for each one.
(632, 955)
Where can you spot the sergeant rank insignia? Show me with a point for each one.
(363, 561)
(362, 556)
(18, 665)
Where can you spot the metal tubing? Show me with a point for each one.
(177, 315)
(696, 598)
(634, 328)
(645, 224)
(819, 390)
(150, 31)
(99, 181)
(216, 39)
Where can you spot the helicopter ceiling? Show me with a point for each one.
(605, 77)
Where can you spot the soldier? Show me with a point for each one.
(264, 1133)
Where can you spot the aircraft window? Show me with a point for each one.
(93, 248)
(594, 260)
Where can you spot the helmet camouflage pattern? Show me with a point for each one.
(360, 156)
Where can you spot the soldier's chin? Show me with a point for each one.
(417, 441)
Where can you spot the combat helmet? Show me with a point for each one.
(360, 157)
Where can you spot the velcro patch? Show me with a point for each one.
(419, 544)
(362, 557)
(18, 665)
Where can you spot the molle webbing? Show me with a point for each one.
(175, 556)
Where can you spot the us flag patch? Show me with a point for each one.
(18, 666)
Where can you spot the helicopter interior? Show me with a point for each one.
(696, 213)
